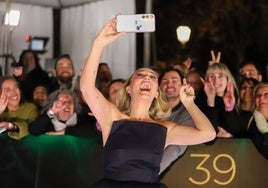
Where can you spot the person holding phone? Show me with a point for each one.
(133, 132)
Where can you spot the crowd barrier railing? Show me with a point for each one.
(67, 161)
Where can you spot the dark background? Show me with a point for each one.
(237, 28)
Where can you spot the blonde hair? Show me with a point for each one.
(257, 87)
(159, 108)
(225, 72)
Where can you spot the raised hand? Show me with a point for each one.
(17, 71)
(58, 106)
(108, 33)
(229, 98)
(188, 63)
(186, 92)
(210, 91)
(214, 59)
(3, 100)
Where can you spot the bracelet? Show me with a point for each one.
(229, 108)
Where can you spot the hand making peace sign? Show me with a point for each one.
(214, 59)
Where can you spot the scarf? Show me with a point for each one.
(261, 122)
(58, 125)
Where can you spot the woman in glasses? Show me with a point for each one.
(61, 118)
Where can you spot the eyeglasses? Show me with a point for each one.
(259, 95)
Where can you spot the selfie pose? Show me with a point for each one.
(134, 136)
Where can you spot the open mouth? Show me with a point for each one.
(170, 89)
(15, 98)
(67, 110)
(40, 100)
(145, 86)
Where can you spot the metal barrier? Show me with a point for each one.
(67, 161)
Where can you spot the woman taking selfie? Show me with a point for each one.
(134, 136)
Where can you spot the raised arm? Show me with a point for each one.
(100, 107)
(203, 130)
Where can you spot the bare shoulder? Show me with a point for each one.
(116, 113)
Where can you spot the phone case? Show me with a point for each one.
(137, 23)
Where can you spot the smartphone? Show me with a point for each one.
(135, 23)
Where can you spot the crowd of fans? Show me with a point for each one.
(33, 103)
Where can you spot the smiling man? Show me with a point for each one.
(250, 70)
(170, 84)
(63, 79)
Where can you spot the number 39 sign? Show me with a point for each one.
(231, 169)
(226, 163)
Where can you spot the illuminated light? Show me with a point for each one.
(12, 18)
(183, 34)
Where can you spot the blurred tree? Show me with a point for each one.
(237, 28)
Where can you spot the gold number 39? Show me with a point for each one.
(199, 167)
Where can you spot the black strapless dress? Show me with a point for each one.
(132, 155)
